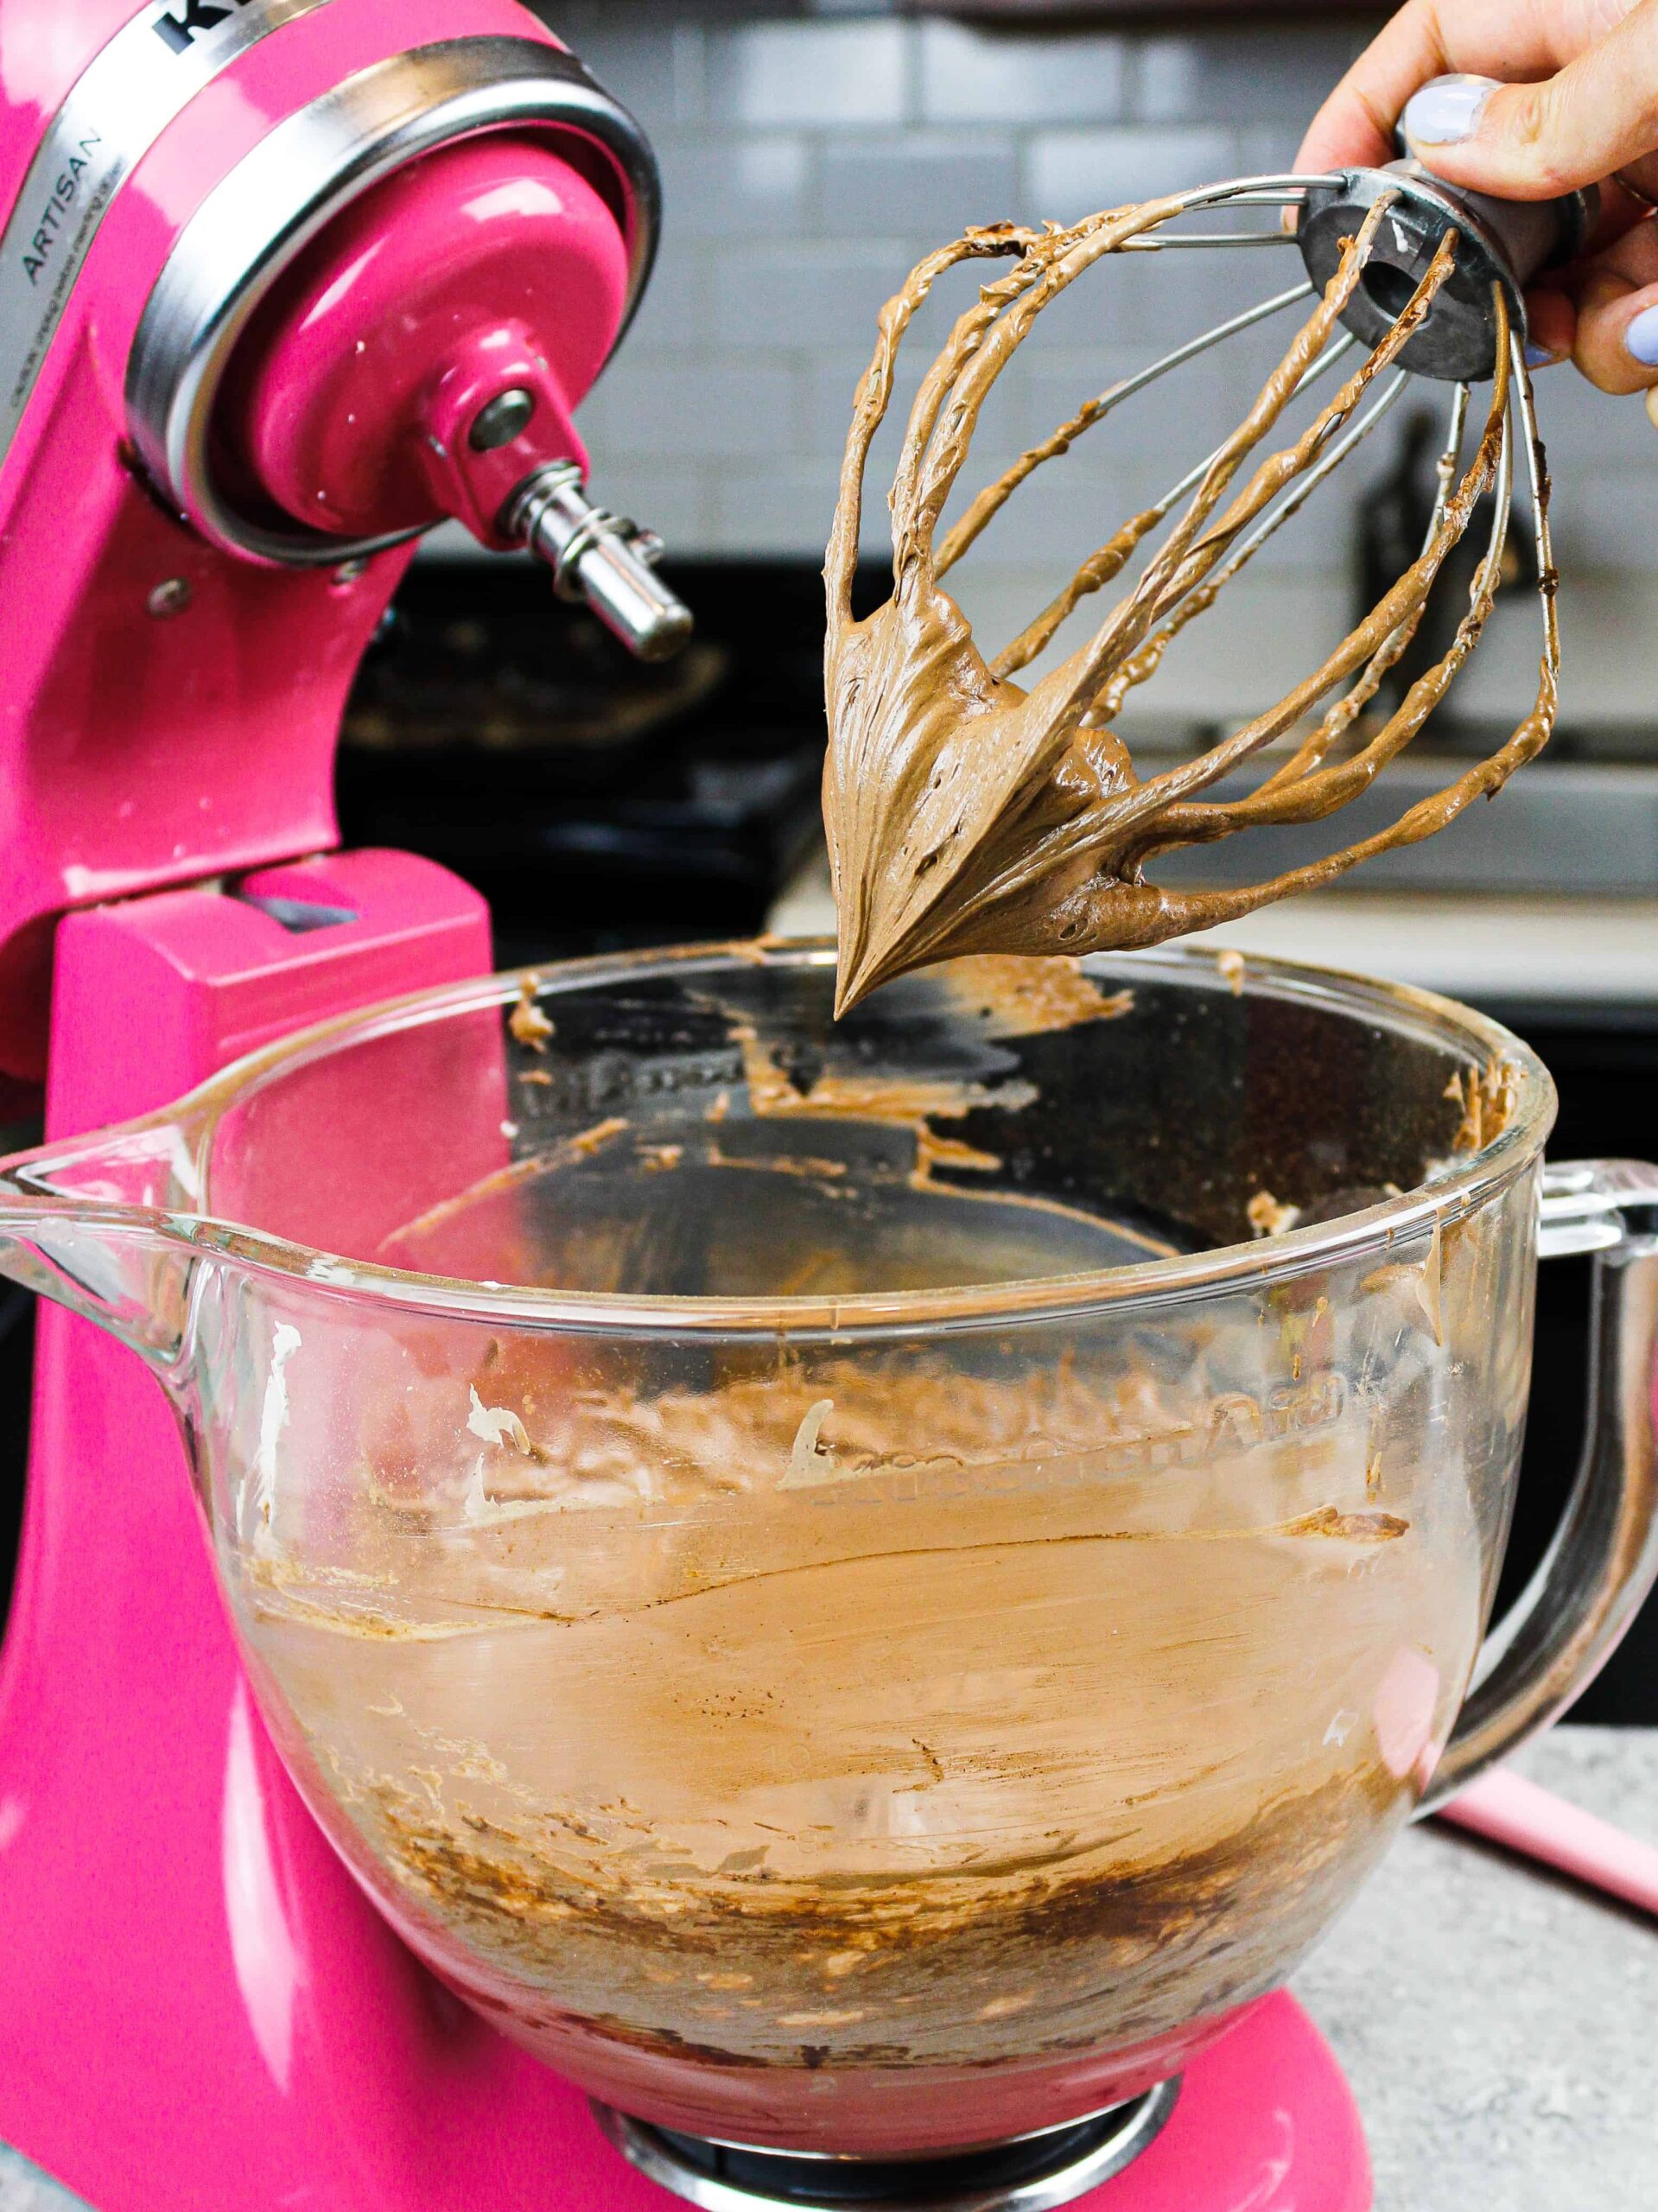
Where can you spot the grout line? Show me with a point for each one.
(1133, 52)
(690, 74)
(910, 71)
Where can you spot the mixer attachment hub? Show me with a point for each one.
(1498, 243)
(1029, 2173)
(599, 559)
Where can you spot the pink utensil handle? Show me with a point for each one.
(1507, 1809)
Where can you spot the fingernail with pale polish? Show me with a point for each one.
(1642, 337)
(1445, 111)
(1539, 357)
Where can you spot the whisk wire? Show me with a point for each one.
(1319, 793)
(1141, 665)
(1108, 560)
(990, 501)
(1188, 559)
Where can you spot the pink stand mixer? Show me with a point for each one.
(284, 283)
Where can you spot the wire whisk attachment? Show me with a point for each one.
(968, 811)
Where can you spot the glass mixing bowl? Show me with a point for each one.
(867, 1585)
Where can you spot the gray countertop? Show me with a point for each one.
(1499, 2027)
(1534, 949)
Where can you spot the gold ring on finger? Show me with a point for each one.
(1620, 177)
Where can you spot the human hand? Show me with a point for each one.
(1546, 97)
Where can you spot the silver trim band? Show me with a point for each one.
(924, 2187)
(259, 217)
(141, 80)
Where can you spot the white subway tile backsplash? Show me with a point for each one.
(1074, 172)
(777, 74)
(1269, 149)
(1168, 79)
(651, 59)
(783, 507)
(1320, 541)
(732, 189)
(720, 407)
(1603, 521)
(809, 163)
(1052, 522)
(970, 73)
(1258, 639)
(1151, 301)
(675, 310)
(1241, 657)
(806, 295)
(1608, 621)
(1148, 439)
(675, 500)
(928, 185)
(691, 73)
(1585, 430)
(828, 383)
(1266, 74)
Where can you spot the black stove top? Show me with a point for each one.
(596, 802)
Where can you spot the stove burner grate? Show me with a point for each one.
(1029, 2173)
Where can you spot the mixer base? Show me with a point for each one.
(1263, 2117)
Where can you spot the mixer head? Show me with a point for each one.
(968, 813)
(283, 285)
(379, 319)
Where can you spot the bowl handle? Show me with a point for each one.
(1604, 1558)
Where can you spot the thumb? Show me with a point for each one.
(1532, 141)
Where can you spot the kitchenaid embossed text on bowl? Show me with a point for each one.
(804, 1563)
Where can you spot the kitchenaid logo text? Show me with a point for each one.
(67, 189)
(1232, 1426)
(179, 28)
(138, 82)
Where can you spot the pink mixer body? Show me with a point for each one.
(207, 496)
(197, 2006)
(132, 754)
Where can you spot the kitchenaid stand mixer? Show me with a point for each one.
(284, 283)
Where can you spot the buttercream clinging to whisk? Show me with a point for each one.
(967, 813)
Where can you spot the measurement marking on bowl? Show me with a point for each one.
(1229, 1427)
(1417, 1282)
(273, 1418)
(1327, 1524)
(807, 1464)
(497, 1425)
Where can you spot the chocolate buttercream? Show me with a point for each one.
(968, 814)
